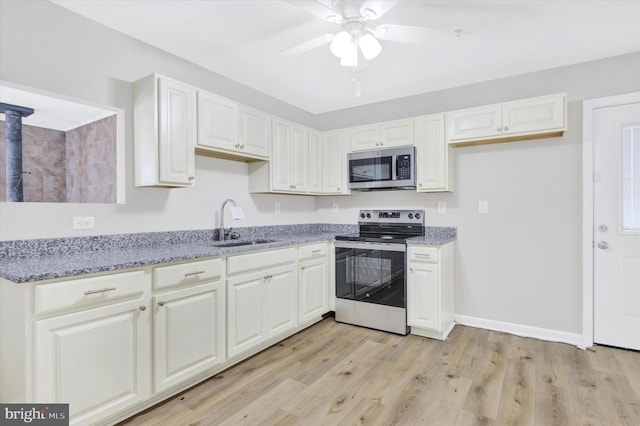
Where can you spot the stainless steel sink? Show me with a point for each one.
(241, 243)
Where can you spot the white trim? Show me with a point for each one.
(588, 108)
(522, 330)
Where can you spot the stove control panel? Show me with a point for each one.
(392, 216)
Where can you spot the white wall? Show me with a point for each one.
(520, 263)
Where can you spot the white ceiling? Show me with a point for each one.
(242, 40)
(51, 112)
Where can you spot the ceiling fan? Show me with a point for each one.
(357, 35)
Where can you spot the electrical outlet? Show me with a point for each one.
(483, 207)
(84, 222)
(442, 207)
(277, 208)
(336, 208)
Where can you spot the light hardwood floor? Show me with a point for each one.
(337, 374)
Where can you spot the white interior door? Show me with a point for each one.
(616, 139)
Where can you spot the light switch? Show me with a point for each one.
(483, 207)
(336, 208)
(277, 208)
(83, 222)
(442, 207)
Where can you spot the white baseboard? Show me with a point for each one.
(522, 330)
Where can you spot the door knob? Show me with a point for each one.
(603, 245)
(603, 228)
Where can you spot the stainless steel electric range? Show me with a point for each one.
(371, 281)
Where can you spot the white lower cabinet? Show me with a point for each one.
(430, 291)
(313, 281)
(96, 359)
(261, 298)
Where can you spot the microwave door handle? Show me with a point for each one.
(394, 168)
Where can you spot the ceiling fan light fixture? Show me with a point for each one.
(341, 44)
(370, 46)
(350, 58)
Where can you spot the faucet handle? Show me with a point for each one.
(234, 235)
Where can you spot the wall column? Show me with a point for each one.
(13, 121)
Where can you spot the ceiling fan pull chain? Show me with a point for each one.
(356, 81)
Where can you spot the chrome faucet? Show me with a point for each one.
(221, 233)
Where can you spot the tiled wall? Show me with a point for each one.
(91, 162)
(78, 166)
(43, 164)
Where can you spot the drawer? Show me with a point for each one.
(85, 292)
(264, 259)
(312, 250)
(423, 254)
(187, 273)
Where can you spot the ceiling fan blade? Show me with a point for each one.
(320, 8)
(380, 7)
(308, 45)
(405, 33)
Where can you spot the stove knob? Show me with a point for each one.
(411, 216)
(417, 215)
(362, 215)
(368, 215)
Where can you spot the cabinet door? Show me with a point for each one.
(96, 360)
(281, 300)
(189, 333)
(423, 295)
(535, 115)
(432, 153)
(255, 132)
(245, 312)
(217, 122)
(396, 133)
(334, 163)
(281, 156)
(365, 137)
(299, 160)
(313, 278)
(475, 123)
(316, 162)
(177, 132)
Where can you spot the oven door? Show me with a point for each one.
(371, 272)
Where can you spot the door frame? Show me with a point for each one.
(588, 108)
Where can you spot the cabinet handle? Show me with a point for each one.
(498, 129)
(242, 146)
(419, 184)
(160, 303)
(303, 268)
(505, 128)
(428, 256)
(338, 188)
(190, 274)
(143, 308)
(411, 270)
(316, 251)
(102, 290)
(191, 178)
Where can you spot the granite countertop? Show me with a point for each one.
(435, 236)
(36, 260)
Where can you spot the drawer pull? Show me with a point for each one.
(428, 256)
(160, 303)
(102, 290)
(191, 274)
(316, 252)
(143, 308)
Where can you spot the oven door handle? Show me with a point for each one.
(371, 246)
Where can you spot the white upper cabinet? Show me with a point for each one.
(544, 116)
(164, 132)
(434, 162)
(315, 161)
(382, 135)
(230, 130)
(334, 162)
(217, 122)
(254, 134)
(288, 170)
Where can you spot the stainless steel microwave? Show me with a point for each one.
(382, 169)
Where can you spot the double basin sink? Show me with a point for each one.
(239, 243)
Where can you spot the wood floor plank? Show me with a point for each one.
(338, 374)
